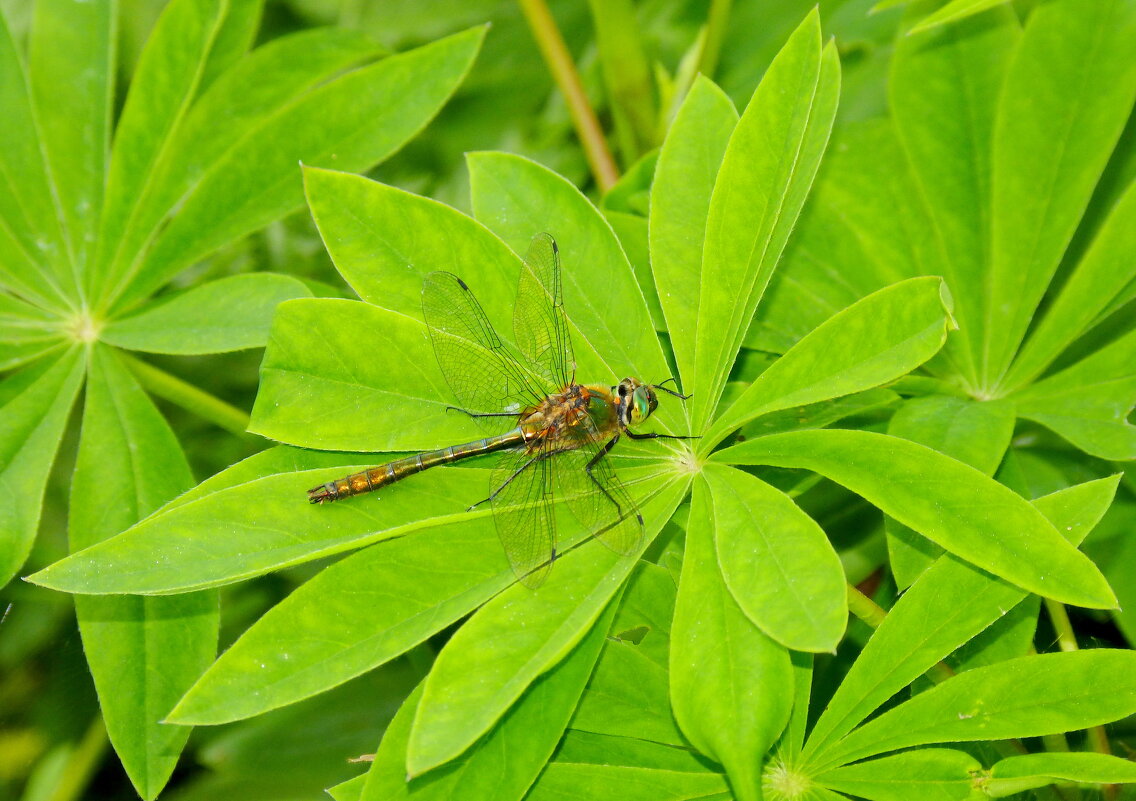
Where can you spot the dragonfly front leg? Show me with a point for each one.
(604, 451)
(633, 435)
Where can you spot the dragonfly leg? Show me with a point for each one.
(633, 435)
(593, 462)
(538, 458)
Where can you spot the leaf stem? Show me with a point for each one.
(563, 70)
(169, 387)
(81, 766)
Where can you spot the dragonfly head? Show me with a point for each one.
(636, 401)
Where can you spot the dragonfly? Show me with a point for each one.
(563, 431)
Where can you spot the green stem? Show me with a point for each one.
(81, 766)
(716, 23)
(563, 70)
(169, 387)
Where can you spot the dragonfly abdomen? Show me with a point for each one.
(377, 477)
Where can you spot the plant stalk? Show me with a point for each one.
(563, 70)
(169, 387)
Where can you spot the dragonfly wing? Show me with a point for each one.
(482, 373)
(524, 514)
(597, 498)
(539, 324)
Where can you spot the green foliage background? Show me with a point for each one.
(890, 249)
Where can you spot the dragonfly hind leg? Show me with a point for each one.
(480, 414)
(538, 458)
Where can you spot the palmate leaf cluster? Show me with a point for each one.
(689, 673)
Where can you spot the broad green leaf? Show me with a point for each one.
(942, 92)
(940, 773)
(257, 527)
(350, 790)
(628, 77)
(237, 109)
(351, 122)
(777, 562)
(29, 217)
(1019, 773)
(974, 432)
(34, 420)
(628, 696)
(228, 314)
(1068, 92)
(504, 764)
(481, 672)
(581, 747)
(875, 340)
(236, 35)
(143, 652)
(21, 273)
(350, 376)
(517, 198)
(849, 241)
(1027, 697)
(165, 82)
(26, 332)
(946, 501)
(1097, 281)
(731, 686)
(385, 240)
(766, 173)
(954, 11)
(1089, 403)
(563, 781)
(680, 199)
(631, 230)
(357, 614)
(71, 68)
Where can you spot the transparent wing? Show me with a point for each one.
(599, 501)
(539, 324)
(482, 373)
(524, 514)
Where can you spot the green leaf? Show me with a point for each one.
(1096, 282)
(960, 600)
(561, 782)
(954, 11)
(26, 332)
(680, 200)
(257, 527)
(848, 242)
(974, 432)
(352, 122)
(233, 40)
(307, 398)
(765, 176)
(165, 82)
(1027, 697)
(350, 790)
(34, 416)
(731, 686)
(1019, 773)
(507, 761)
(1067, 95)
(237, 109)
(481, 672)
(29, 218)
(376, 236)
(143, 652)
(228, 314)
(1089, 403)
(946, 501)
(777, 562)
(71, 68)
(517, 198)
(875, 340)
(579, 747)
(940, 773)
(627, 77)
(628, 696)
(364, 610)
(942, 92)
